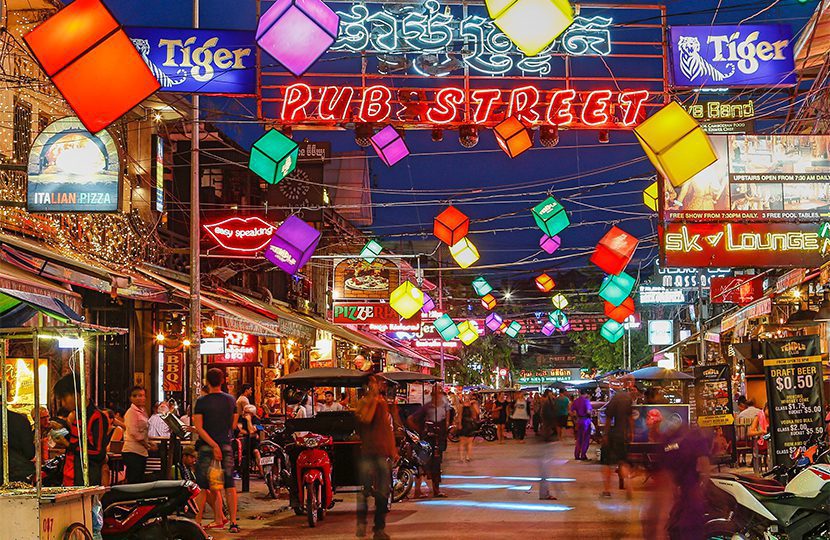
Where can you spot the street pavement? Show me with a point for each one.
(494, 496)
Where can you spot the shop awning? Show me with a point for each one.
(18, 307)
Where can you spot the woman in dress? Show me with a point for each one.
(500, 416)
(466, 425)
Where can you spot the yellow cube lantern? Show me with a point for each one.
(531, 25)
(650, 196)
(559, 301)
(675, 144)
(407, 300)
(467, 332)
(464, 252)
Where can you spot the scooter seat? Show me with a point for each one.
(759, 480)
(764, 490)
(132, 492)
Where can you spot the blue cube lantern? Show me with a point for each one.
(481, 287)
(612, 331)
(615, 289)
(558, 318)
(446, 327)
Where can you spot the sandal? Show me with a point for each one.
(214, 525)
(234, 528)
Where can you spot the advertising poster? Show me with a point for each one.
(173, 367)
(653, 422)
(793, 371)
(713, 405)
(72, 170)
(357, 279)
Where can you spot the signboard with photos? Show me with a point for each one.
(358, 279)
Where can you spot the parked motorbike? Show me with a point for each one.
(51, 472)
(148, 512)
(313, 473)
(415, 454)
(485, 429)
(276, 470)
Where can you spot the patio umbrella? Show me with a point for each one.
(328, 376)
(659, 374)
(612, 373)
(17, 307)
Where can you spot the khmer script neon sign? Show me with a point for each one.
(432, 41)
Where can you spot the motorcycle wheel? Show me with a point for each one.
(722, 531)
(270, 482)
(402, 481)
(488, 433)
(310, 505)
(452, 434)
(176, 529)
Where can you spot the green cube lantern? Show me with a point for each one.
(273, 156)
(446, 327)
(481, 287)
(371, 251)
(615, 289)
(550, 216)
(513, 329)
(612, 331)
(558, 318)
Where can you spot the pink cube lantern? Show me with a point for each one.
(549, 243)
(548, 328)
(566, 328)
(493, 321)
(297, 32)
(429, 304)
(389, 145)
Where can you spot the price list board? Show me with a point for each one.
(793, 371)
(713, 404)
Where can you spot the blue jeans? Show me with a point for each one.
(376, 476)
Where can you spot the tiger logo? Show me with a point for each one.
(143, 48)
(692, 65)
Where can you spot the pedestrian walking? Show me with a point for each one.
(136, 437)
(430, 420)
(243, 399)
(466, 426)
(378, 452)
(520, 416)
(618, 431)
(563, 411)
(548, 416)
(536, 412)
(581, 412)
(500, 415)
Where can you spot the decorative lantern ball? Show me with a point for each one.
(446, 327)
(297, 32)
(493, 321)
(548, 328)
(464, 253)
(675, 144)
(513, 329)
(293, 244)
(429, 304)
(559, 301)
(650, 195)
(549, 244)
(513, 137)
(481, 287)
(612, 331)
(407, 299)
(545, 283)
(451, 225)
(558, 318)
(488, 301)
(615, 289)
(273, 156)
(389, 145)
(550, 216)
(370, 251)
(91, 61)
(614, 251)
(620, 313)
(531, 25)
(467, 332)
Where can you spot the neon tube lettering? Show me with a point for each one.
(445, 110)
(485, 101)
(632, 103)
(297, 97)
(559, 111)
(375, 105)
(522, 101)
(595, 110)
(334, 102)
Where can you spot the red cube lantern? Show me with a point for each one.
(614, 251)
(545, 283)
(92, 62)
(513, 137)
(451, 226)
(620, 313)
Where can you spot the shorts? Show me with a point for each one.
(616, 450)
(562, 421)
(204, 460)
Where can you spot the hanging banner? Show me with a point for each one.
(713, 404)
(793, 371)
(173, 380)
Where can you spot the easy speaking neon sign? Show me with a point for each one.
(244, 235)
(565, 108)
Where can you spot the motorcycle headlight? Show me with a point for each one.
(311, 443)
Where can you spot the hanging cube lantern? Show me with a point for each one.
(464, 252)
(297, 32)
(273, 156)
(548, 328)
(493, 321)
(531, 25)
(429, 304)
(550, 216)
(650, 196)
(612, 331)
(293, 244)
(545, 283)
(481, 287)
(389, 145)
(488, 301)
(371, 251)
(615, 289)
(559, 301)
(503, 327)
(620, 313)
(675, 144)
(513, 137)
(549, 244)
(92, 62)
(558, 318)
(614, 251)
(446, 327)
(513, 329)
(407, 299)
(451, 226)
(467, 332)
(565, 328)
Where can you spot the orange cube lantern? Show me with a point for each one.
(545, 283)
(620, 313)
(451, 226)
(92, 62)
(488, 301)
(513, 137)
(614, 251)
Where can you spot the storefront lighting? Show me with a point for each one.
(796, 293)
(389, 145)
(292, 245)
(371, 251)
(481, 287)
(549, 244)
(297, 32)
(620, 313)
(91, 61)
(513, 137)
(531, 25)
(614, 251)
(650, 195)
(615, 289)
(209, 330)
(407, 299)
(513, 329)
(612, 331)
(559, 301)
(488, 301)
(493, 321)
(545, 283)
(186, 342)
(675, 144)
(160, 337)
(273, 156)
(451, 226)
(446, 327)
(290, 342)
(464, 253)
(467, 332)
(70, 343)
(550, 216)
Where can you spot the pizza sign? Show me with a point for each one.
(357, 279)
(242, 235)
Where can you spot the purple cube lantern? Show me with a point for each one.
(389, 145)
(429, 304)
(565, 328)
(292, 245)
(493, 321)
(549, 243)
(548, 329)
(297, 32)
